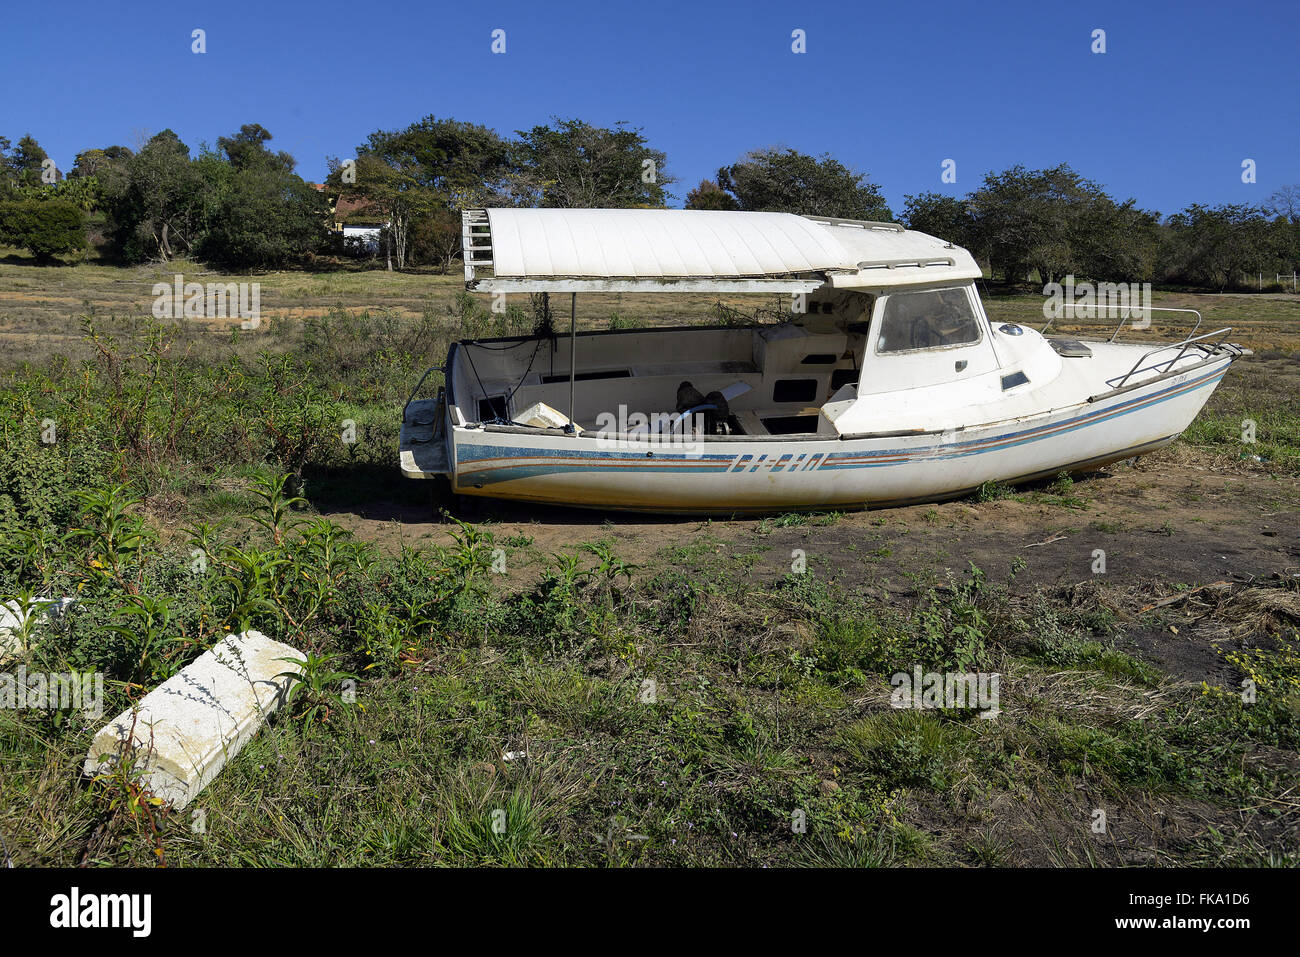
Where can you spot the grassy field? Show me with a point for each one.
(628, 691)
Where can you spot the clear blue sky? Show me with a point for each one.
(1184, 93)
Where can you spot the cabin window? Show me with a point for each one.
(927, 319)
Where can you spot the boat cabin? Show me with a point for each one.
(883, 321)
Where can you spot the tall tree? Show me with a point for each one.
(1055, 222)
(783, 180)
(246, 151)
(709, 195)
(943, 216)
(91, 162)
(570, 163)
(1284, 207)
(8, 178)
(464, 163)
(29, 161)
(1117, 242)
(415, 176)
(436, 238)
(257, 214)
(239, 205)
(1217, 246)
(1285, 202)
(154, 200)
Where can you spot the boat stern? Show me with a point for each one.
(424, 446)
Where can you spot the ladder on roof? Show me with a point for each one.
(476, 240)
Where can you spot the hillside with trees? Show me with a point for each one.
(241, 205)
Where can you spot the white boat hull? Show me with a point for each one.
(747, 475)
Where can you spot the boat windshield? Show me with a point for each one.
(927, 319)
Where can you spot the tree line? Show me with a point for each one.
(1054, 223)
(241, 205)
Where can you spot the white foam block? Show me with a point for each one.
(188, 727)
(12, 622)
(542, 416)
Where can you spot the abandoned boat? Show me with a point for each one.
(887, 385)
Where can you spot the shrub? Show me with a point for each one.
(45, 228)
(39, 482)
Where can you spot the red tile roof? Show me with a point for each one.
(360, 211)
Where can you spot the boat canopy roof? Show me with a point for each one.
(676, 250)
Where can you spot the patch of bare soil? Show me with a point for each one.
(1053, 828)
